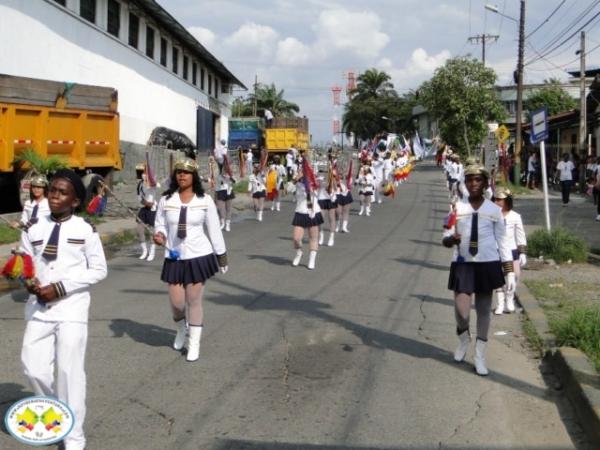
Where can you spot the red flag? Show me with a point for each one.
(227, 166)
(309, 175)
(150, 178)
(264, 155)
(349, 176)
(450, 220)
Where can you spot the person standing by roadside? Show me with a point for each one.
(37, 205)
(482, 262)
(564, 172)
(532, 164)
(191, 256)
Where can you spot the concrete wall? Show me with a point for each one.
(43, 40)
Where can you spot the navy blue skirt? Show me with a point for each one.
(259, 194)
(327, 204)
(223, 196)
(474, 277)
(147, 216)
(305, 221)
(189, 271)
(343, 200)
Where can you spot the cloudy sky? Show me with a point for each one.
(307, 46)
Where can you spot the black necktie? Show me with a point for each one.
(34, 213)
(181, 226)
(474, 228)
(51, 249)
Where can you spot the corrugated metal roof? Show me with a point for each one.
(158, 13)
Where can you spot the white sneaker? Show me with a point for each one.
(297, 258)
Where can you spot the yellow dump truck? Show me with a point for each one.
(285, 133)
(79, 123)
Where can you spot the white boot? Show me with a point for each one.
(362, 210)
(479, 360)
(331, 239)
(151, 253)
(181, 334)
(312, 259)
(144, 248)
(278, 206)
(500, 306)
(321, 237)
(222, 224)
(510, 302)
(273, 206)
(259, 216)
(345, 226)
(368, 210)
(193, 344)
(297, 258)
(338, 224)
(463, 345)
(228, 225)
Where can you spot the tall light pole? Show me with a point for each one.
(519, 118)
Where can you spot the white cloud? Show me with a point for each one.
(418, 68)
(253, 37)
(358, 32)
(293, 52)
(205, 36)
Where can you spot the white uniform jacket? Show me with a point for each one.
(79, 264)
(366, 183)
(201, 212)
(256, 183)
(302, 201)
(377, 166)
(492, 241)
(149, 194)
(224, 183)
(43, 210)
(515, 231)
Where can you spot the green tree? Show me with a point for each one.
(551, 95)
(268, 97)
(460, 96)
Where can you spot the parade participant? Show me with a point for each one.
(191, 256)
(377, 164)
(69, 259)
(290, 161)
(220, 152)
(481, 261)
(365, 190)
(37, 205)
(249, 164)
(147, 193)
(515, 233)
(327, 199)
(307, 215)
(276, 178)
(256, 186)
(225, 195)
(344, 200)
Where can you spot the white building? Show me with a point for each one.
(163, 75)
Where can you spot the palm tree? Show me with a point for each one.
(373, 83)
(267, 97)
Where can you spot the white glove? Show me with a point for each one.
(522, 259)
(224, 269)
(510, 282)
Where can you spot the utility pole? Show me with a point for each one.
(518, 125)
(254, 107)
(582, 102)
(483, 38)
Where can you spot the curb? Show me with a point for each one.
(574, 370)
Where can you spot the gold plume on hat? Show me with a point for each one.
(186, 164)
(39, 181)
(477, 169)
(502, 192)
(140, 167)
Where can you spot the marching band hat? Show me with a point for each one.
(477, 169)
(39, 181)
(140, 167)
(186, 165)
(470, 161)
(502, 193)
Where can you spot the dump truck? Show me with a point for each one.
(285, 133)
(246, 132)
(76, 122)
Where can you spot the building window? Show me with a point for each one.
(61, 2)
(114, 17)
(87, 10)
(202, 79)
(175, 59)
(163, 52)
(150, 42)
(194, 73)
(209, 84)
(134, 30)
(216, 88)
(185, 67)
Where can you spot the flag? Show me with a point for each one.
(227, 166)
(310, 181)
(150, 178)
(263, 159)
(450, 220)
(349, 176)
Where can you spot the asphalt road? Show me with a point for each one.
(356, 354)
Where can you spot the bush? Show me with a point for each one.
(560, 245)
(580, 329)
(241, 187)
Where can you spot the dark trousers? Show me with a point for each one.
(565, 187)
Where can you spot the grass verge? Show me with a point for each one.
(8, 234)
(532, 336)
(573, 312)
(559, 244)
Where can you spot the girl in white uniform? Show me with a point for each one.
(306, 217)
(256, 186)
(37, 205)
(148, 197)
(481, 261)
(518, 244)
(378, 170)
(327, 199)
(191, 256)
(224, 196)
(365, 190)
(68, 257)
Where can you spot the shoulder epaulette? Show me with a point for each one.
(89, 222)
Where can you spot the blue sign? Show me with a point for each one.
(539, 125)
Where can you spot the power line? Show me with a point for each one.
(547, 19)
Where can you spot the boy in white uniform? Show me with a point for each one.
(69, 259)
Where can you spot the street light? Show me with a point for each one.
(518, 124)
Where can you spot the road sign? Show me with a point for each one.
(539, 125)
(502, 134)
